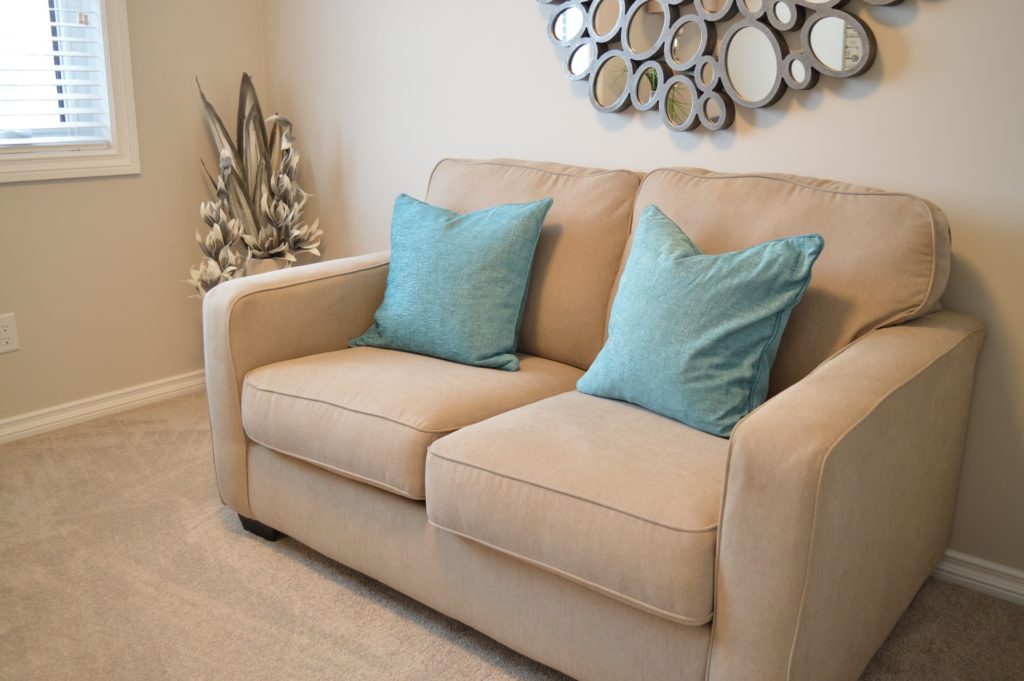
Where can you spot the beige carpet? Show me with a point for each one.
(117, 561)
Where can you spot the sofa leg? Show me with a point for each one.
(259, 529)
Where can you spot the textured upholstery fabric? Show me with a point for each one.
(580, 246)
(838, 503)
(457, 284)
(693, 336)
(601, 492)
(839, 491)
(886, 258)
(369, 414)
(254, 321)
(539, 614)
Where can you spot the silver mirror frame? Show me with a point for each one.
(628, 21)
(708, 38)
(711, 52)
(638, 76)
(725, 105)
(623, 100)
(565, 7)
(692, 120)
(867, 41)
(612, 34)
(778, 45)
(796, 16)
(571, 50)
(726, 12)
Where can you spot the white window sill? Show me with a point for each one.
(56, 163)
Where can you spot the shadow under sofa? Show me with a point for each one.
(592, 535)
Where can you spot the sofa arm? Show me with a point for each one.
(838, 503)
(251, 322)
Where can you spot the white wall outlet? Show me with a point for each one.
(8, 333)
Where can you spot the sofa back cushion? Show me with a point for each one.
(885, 260)
(579, 251)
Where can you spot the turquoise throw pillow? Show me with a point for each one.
(457, 284)
(693, 336)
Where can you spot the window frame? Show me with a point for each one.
(121, 156)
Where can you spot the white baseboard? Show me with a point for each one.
(52, 418)
(981, 575)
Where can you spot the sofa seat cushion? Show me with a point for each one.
(602, 492)
(369, 414)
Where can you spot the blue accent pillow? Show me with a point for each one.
(457, 284)
(693, 336)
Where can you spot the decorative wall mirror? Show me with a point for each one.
(696, 60)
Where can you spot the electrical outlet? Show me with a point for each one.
(8, 333)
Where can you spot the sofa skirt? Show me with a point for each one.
(541, 615)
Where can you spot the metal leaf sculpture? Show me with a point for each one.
(259, 206)
(221, 259)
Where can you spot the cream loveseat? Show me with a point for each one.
(592, 535)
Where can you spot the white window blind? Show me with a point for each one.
(53, 74)
(66, 105)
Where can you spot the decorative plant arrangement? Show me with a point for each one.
(257, 215)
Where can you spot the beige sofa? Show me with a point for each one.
(589, 534)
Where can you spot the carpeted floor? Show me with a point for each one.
(117, 561)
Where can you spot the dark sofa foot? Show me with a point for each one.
(259, 529)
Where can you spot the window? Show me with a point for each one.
(66, 104)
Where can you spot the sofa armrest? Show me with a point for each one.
(251, 322)
(838, 503)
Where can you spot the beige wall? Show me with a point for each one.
(92, 267)
(380, 91)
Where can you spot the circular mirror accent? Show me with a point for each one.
(568, 24)
(646, 24)
(715, 10)
(707, 73)
(752, 56)
(828, 43)
(647, 82)
(689, 38)
(610, 85)
(784, 15)
(752, 8)
(666, 53)
(678, 103)
(605, 17)
(579, 60)
(647, 86)
(685, 43)
(715, 111)
(838, 44)
(798, 71)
